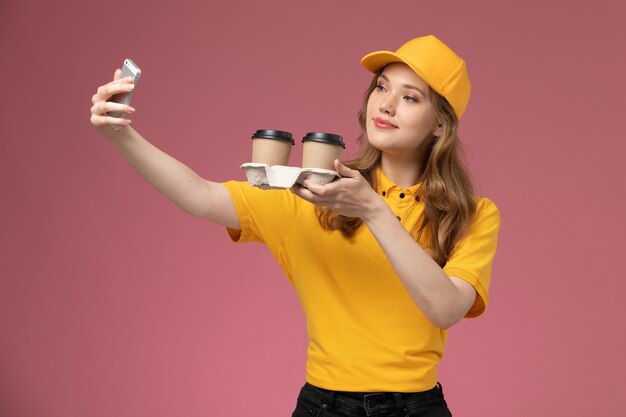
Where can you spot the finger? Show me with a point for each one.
(300, 191)
(306, 194)
(109, 89)
(328, 189)
(106, 91)
(344, 171)
(116, 74)
(103, 107)
(314, 187)
(99, 120)
(118, 80)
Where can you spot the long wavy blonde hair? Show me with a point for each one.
(447, 190)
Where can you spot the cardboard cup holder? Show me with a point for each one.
(281, 176)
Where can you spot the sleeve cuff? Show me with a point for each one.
(480, 305)
(245, 220)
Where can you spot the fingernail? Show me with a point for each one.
(131, 109)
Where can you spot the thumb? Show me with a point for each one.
(344, 171)
(116, 75)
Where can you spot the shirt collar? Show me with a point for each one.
(384, 184)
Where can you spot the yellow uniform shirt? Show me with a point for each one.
(365, 332)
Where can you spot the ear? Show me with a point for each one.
(438, 130)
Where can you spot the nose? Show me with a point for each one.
(387, 106)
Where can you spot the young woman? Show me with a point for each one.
(384, 259)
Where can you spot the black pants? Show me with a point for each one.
(317, 402)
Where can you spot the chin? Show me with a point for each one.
(379, 141)
(382, 146)
(376, 138)
(374, 143)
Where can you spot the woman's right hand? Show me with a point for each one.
(101, 104)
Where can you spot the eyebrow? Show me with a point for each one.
(409, 86)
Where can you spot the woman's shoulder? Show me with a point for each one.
(485, 202)
(486, 208)
(265, 198)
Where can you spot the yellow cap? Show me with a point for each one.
(435, 63)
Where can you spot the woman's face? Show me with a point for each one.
(400, 114)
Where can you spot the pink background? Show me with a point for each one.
(115, 303)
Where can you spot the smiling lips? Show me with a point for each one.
(384, 124)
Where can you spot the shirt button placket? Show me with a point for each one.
(404, 204)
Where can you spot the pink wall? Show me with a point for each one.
(115, 303)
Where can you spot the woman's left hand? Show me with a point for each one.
(350, 195)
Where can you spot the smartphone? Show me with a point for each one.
(129, 68)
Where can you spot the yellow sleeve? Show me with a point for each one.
(264, 215)
(473, 258)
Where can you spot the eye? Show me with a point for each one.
(410, 99)
(380, 87)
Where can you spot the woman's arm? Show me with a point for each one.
(176, 181)
(444, 300)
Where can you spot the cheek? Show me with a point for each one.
(369, 115)
(370, 107)
(420, 121)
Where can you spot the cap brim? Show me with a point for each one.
(377, 60)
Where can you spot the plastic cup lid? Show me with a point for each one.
(273, 134)
(324, 138)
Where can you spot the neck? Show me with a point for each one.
(404, 173)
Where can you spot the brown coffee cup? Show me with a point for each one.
(321, 149)
(271, 147)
